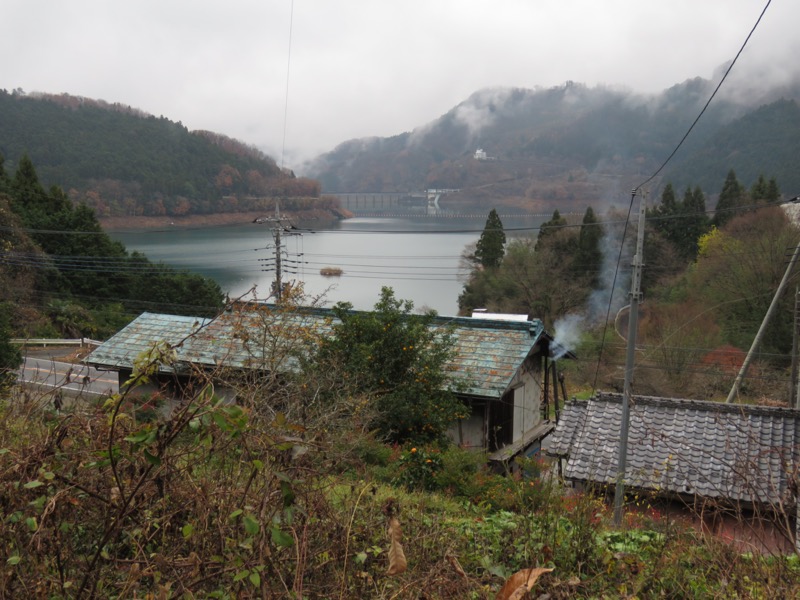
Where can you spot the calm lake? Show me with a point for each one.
(418, 257)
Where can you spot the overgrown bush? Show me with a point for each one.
(224, 500)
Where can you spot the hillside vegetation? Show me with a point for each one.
(287, 493)
(707, 282)
(120, 161)
(62, 276)
(569, 146)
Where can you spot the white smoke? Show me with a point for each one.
(567, 334)
(613, 286)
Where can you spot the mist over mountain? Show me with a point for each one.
(576, 145)
(529, 150)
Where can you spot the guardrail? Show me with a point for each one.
(44, 342)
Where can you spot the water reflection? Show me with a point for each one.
(419, 258)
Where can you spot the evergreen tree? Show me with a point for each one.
(731, 197)
(29, 198)
(551, 227)
(5, 182)
(91, 266)
(669, 204)
(491, 245)
(773, 192)
(665, 215)
(681, 223)
(759, 189)
(589, 257)
(694, 224)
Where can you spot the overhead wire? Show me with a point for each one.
(122, 235)
(657, 171)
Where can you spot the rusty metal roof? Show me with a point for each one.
(488, 352)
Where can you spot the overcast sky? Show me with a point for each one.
(359, 68)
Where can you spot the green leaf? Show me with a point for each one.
(13, 560)
(187, 531)
(31, 523)
(241, 575)
(361, 558)
(288, 494)
(235, 513)
(281, 538)
(152, 459)
(39, 502)
(221, 421)
(255, 579)
(258, 465)
(234, 411)
(33, 484)
(140, 437)
(251, 525)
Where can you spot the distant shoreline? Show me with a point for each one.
(316, 217)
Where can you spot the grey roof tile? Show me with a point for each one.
(736, 452)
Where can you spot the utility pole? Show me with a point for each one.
(734, 393)
(633, 317)
(794, 399)
(278, 225)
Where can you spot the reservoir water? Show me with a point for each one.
(418, 257)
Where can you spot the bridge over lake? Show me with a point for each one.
(415, 204)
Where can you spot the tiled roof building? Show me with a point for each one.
(734, 452)
(501, 362)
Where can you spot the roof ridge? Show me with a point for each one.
(702, 405)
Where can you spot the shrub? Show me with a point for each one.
(418, 468)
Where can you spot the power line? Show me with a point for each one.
(460, 231)
(672, 154)
(713, 94)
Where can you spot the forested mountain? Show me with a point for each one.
(764, 141)
(563, 147)
(572, 144)
(62, 276)
(121, 161)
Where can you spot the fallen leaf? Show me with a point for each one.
(456, 565)
(397, 559)
(520, 583)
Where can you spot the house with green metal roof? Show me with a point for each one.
(503, 363)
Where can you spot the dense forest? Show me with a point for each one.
(120, 161)
(569, 145)
(62, 276)
(708, 281)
